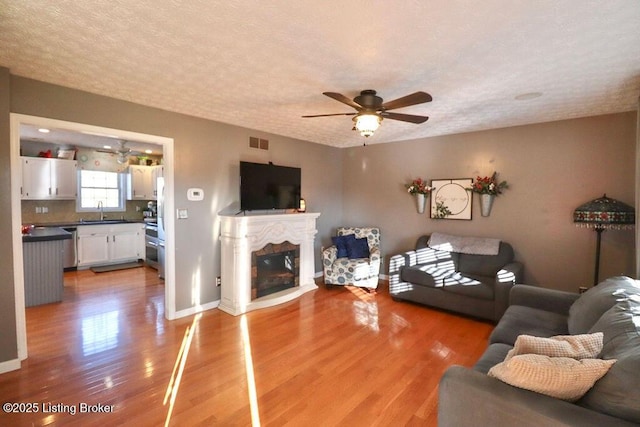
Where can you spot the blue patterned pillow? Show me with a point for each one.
(358, 248)
(341, 243)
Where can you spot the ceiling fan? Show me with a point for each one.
(122, 151)
(370, 109)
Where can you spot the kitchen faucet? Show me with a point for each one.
(101, 207)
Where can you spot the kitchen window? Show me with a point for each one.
(99, 186)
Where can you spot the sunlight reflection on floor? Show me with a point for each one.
(100, 332)
(365, 310)
(178, 368)
(251, 381)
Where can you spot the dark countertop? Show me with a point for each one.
(89, 222)
(43, 234)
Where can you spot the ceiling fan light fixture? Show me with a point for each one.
(367, 123)
(371, 109)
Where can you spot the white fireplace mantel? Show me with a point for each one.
(241, 235)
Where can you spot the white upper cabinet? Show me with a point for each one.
(44, 178)
(64, 178)
(36, 178)
(142, 182)
(158, 172)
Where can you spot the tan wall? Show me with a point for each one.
(552, 169)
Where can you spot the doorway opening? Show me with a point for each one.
(18, 120)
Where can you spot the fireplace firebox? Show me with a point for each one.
(274, 268)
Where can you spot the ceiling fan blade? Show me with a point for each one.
(328, 115)
(405, 101)
(404, 117)
(341, 98)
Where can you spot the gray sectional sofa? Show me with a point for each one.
(469, 397)
(457, 274)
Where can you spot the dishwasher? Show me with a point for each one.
(69, 247)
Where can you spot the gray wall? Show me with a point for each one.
(207, 154)
(552, 169)
(8, 339)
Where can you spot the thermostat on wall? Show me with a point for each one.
(195, 194)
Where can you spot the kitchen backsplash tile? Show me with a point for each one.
(65, 211)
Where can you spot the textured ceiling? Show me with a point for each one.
(264, 64)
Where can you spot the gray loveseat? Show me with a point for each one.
(462, 281)
(469, 397)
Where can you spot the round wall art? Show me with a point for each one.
(450, 198)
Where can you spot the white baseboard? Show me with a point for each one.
(320, 274)
(214, 304)
(197, 309)
(9, 365)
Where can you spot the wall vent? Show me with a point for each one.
(262, 144)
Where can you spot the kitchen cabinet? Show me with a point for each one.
(139, 185)
(64, 178)
(142, 182)
(36, 178)
(45, 178)
(93, 245)
(157, 172)
(110, 244)
(127, 243)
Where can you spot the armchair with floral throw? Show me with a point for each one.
(354, 258)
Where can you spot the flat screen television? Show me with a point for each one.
(267, 186)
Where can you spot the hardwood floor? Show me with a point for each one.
(332, 357)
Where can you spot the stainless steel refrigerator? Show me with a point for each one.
(161, 229)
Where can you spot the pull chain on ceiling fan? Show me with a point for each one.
(371, 109)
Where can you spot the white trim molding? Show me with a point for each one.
(197, 309)
(637, 189)
(9, 365)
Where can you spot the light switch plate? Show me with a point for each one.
(183, 214)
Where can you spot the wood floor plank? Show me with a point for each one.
(332, 357)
